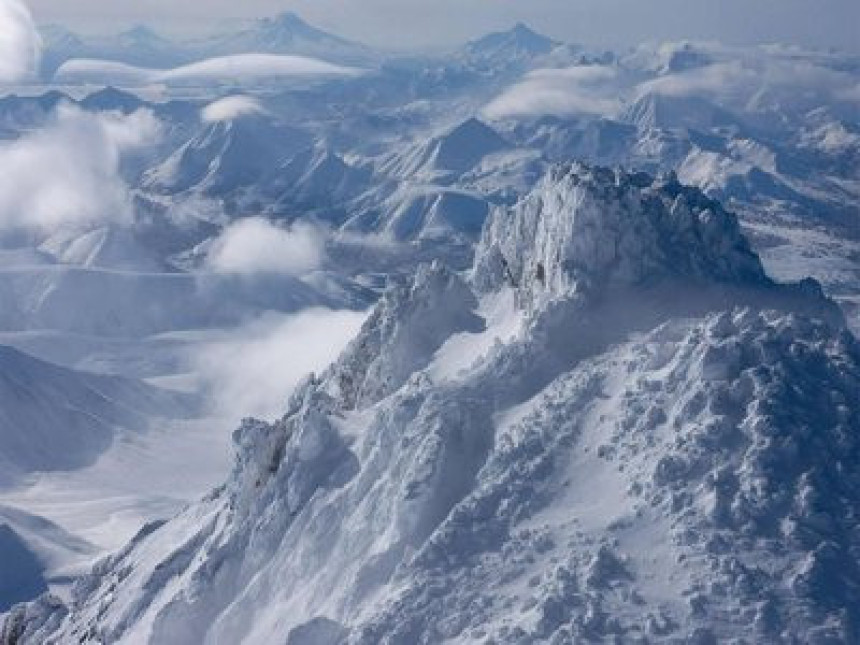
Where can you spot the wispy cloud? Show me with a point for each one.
(241, 70)
(230, 108)
(20, 44)
(255, 245)
(583, 89)
(68, 173)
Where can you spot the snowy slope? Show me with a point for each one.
(617, 426)
(31, 547)
(226, 156)
(448, 155)
(52, 418)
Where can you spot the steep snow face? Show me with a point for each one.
(588, 229)
(639, 465)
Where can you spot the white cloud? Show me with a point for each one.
(230, 108)
(255, 245)
(737, 76)
(67, 174)
(740, 78)
(254, 369)
(20, 44)
(584, 89)
(241, 69)
(716, 78)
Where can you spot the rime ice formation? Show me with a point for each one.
(615, 427)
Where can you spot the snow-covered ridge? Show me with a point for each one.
(643, 465)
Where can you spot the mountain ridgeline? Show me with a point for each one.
(614, 426)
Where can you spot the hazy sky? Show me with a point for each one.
(404, 23)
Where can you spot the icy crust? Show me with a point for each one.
(647, 466)
(584, 229)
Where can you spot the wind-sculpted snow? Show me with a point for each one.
(655, 443)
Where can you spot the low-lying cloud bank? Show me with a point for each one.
(736, 78)
(67, 174)
(257, 246)
(20, 43)
(253, 370)
(584, 89)
(241, 69)
(741, 80)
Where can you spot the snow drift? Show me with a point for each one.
(616, 426)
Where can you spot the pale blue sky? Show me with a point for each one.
(404, 23)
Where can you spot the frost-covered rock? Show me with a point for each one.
(587, 229)
(661, 447)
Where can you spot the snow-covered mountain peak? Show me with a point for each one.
(467, 143)
(111, 98)
(141, 35)
(291, 22)
(59, 36)
(585, 229)
(288, 26)
(286, 33)
(509, 49)
(519, 39)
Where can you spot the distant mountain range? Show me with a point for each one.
(286, 33)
